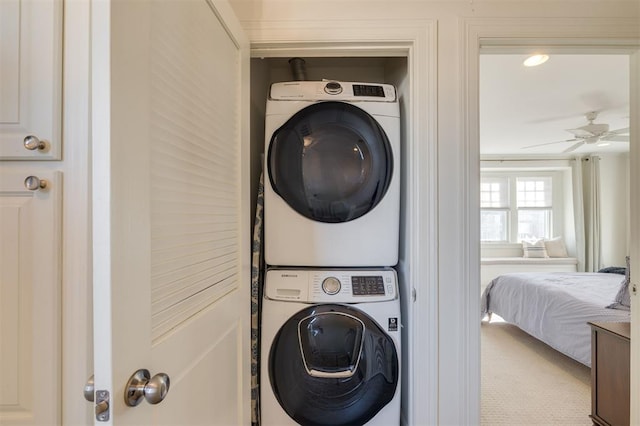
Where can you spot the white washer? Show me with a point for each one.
(332, 182)
(330, 347)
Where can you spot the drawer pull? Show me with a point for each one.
(33, 183)
(32, 143)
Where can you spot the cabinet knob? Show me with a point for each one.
(32, 143)
(33, 183)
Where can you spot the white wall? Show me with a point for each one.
(614, 209)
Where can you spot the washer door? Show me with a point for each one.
(331, 162)
(332, 365)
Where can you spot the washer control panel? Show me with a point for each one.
(331, 285)
(367, 285)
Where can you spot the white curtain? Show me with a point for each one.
(591, 199)
(578, 212)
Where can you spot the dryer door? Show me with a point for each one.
(331, 162)
(333, 365)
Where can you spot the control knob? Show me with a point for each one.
(331, 285)
(333, 88)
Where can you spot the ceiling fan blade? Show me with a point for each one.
(620, 131)
(615, 138)
(573, 147)
(549, 143)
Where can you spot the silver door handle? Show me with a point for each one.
(142, 385)
(89, 390)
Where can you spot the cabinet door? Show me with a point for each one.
(30, 284)
(30, 79)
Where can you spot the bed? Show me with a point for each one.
(555, 307)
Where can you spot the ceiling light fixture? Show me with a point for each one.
(604, 144)
(535, 60)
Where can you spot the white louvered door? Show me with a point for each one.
(171, 209)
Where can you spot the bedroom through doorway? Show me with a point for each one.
(554, 199)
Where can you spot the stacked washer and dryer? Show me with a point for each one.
(330, 328)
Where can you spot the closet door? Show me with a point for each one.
(30, 289)
(171, 226)
(31, 79)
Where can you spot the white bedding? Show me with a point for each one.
(555, 306)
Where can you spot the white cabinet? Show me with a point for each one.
(31, 107)
(30, 219)
(30, 334)
(30, 78)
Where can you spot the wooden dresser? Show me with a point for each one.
(610, 369)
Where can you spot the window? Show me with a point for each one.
(494, 201)
(533, 208)
(515, 207)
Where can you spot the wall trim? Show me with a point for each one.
(77, 290)
(634, 215)
(478, 35)
(416, 40)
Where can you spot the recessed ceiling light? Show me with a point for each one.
(535, 60)
(604, 144)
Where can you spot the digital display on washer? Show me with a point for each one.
(367, 285)
(368, 90)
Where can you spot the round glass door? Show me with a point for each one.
(331, 162)
(332, 365)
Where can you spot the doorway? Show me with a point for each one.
(529, 125)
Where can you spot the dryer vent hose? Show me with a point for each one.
(298, 69)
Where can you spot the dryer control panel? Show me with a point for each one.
(331, 285)
(331, 90)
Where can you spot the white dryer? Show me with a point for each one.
(330, 347)
(332, 193)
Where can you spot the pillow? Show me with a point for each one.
(623, 298)
(620, 270)
(555, 247)
(534, 249)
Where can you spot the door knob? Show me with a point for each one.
(33, 183)
(142, 385)
(89, 390)
(32, 143)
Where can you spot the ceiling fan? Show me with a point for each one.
(591, 133)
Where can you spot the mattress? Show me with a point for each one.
(555, 307)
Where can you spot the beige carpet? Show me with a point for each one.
(525, 382)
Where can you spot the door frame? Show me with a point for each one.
(77, 291)
(418, 265)
(591, 35)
